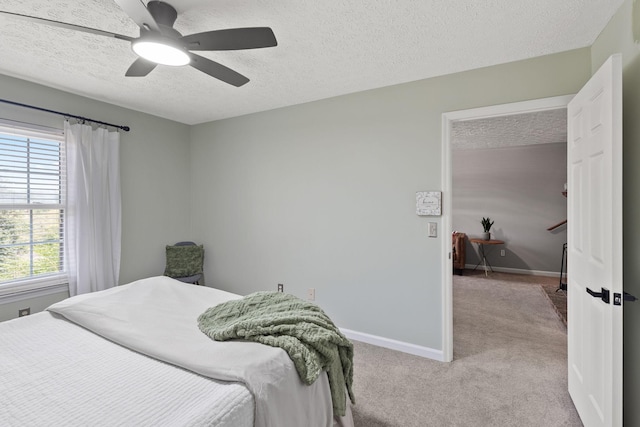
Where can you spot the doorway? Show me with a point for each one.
(448, 122)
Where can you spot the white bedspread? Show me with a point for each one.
(158, 317)
(54, 373)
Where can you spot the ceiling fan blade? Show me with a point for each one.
(140, 68)
(231, 39)
(217, 71)
(66, 26)
(139, 13)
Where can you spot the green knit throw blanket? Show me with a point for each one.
(299, 327)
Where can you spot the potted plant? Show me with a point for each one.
(486, 225)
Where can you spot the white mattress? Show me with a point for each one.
(55, 373)
(134, 356)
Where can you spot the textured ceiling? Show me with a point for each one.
(542, 127)
(325, 48)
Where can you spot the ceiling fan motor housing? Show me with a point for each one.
(160, 43)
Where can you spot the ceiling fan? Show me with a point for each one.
(160, 43)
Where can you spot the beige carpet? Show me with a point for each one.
(509, 367)
(549, 284)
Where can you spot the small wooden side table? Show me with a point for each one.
(483, 254)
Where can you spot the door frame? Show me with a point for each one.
(448, 119)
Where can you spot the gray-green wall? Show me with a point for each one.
(9, 309)
(154, 170)
(621, 36)
(322, 195)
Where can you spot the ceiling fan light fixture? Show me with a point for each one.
(160, 43)
(160, 52)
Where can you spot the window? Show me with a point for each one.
(32, 207)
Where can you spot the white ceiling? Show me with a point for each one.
(540, 127)
(325, 48)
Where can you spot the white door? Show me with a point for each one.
(594, 207)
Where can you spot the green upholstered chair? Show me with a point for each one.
(185, 262)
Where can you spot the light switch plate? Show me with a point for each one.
(433, 229)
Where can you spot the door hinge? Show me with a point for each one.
(618, 298)
(603, 294)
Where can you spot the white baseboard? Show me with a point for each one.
(518, 271)
(391, 344)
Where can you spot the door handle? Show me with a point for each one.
(626, 296)
(603, 294)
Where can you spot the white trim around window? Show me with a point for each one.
(33, 287)
(45, 180)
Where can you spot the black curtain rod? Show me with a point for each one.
(85, 119)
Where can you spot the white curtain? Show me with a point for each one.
(93, 216)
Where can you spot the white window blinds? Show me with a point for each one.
(32, 205)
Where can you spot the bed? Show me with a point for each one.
(133, 355)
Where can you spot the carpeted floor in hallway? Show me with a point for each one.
(509, 367)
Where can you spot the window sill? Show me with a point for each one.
(31, 288)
